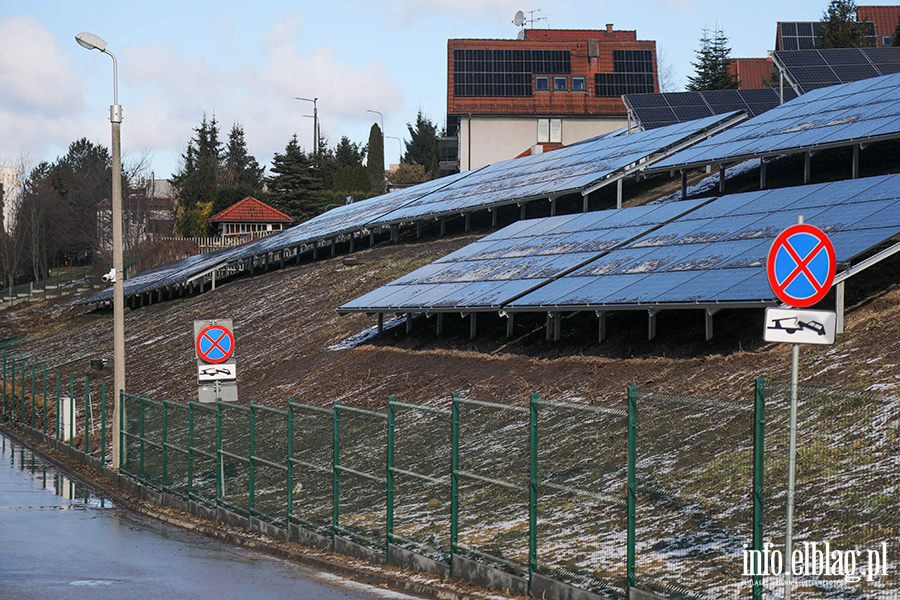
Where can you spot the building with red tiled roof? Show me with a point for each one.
(751, 73)
(879, 22)
(248, 217)
(548, 87)
(885, 19)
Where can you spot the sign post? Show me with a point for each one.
(216, 371)
(801, 267)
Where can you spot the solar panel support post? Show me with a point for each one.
(418, 229)
(371, 238)
(439, 324)
(709, 321)
(380, 323)
(473, 325)
(721, 179)
(510, 325)
(468, 222)
(839, 308)
(601, 326)
(352, 245)
(855, 169)
(683, 184)
(443, 226)
(806, 166)
(523, 204)
(762, 173)
(333, 242)
(584, 203)
(619, 185)
(552, 207)
(213, 282)
(408, 317)
(493, 217)
(651, 323)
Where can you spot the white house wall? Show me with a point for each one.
(498, 138)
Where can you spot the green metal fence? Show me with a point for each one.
(666, 492)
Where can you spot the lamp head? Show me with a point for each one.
(90, 41)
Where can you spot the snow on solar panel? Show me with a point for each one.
(826, 117)
(689, 253)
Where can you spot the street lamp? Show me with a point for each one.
(92, 42)
(382, 118)
(315, 123)
(399, 143)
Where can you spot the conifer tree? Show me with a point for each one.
(295, 186)
(375, 162)
(839, 27)
(713, 66)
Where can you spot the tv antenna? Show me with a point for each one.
(519, 20)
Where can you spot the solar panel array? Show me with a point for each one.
(570, 169)
(660, 110)
(867, 110)
(813, 69)
(695, 253)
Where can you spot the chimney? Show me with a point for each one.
(609, 27)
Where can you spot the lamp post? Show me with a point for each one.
(382, 132)
(400, 144)
(92, 42)
(315, 123)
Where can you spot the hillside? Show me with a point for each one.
(291, 343)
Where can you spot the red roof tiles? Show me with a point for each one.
(250, 210)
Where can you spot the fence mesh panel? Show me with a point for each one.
(846, 491)
(494, 474)
(312, 466)
(422, 448)
(694, 481)
(363, 500)
(583, 472)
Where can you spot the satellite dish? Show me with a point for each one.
(521, 35)
(519, 19)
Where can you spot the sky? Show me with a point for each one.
(246, 62)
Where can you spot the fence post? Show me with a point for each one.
(335, 477)
(533, 491)
(290, 462)
(4, 387)
(389, 526)
(32, 396)
(71, 408)
(190, 448)
(121, 417)
(44, 418)
(141, 400)
(758, 482)
(165, 439)
(252, 452)
(632, 496)
(220, 473)
(87, 409)
(454, 482)
(102, 425)
(58, 421)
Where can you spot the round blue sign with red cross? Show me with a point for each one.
(801, 265)
(215, 344)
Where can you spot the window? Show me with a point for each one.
(885, 40)
(549, 131)
(560, 84)
(542, 83)
(578, 84)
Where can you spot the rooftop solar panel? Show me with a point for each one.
(678, 254)
(827, 117)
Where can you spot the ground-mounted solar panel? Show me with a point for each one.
(813, 69)
(856, 112)
(660, 110)
(688, 254)
(570, 169)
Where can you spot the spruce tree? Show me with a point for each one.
(198, 180)
(422, 144)
(713, 66)
(839, 27)
(295, 186)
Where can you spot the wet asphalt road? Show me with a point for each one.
(59, 540)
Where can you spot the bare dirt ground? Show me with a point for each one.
(290, 342)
